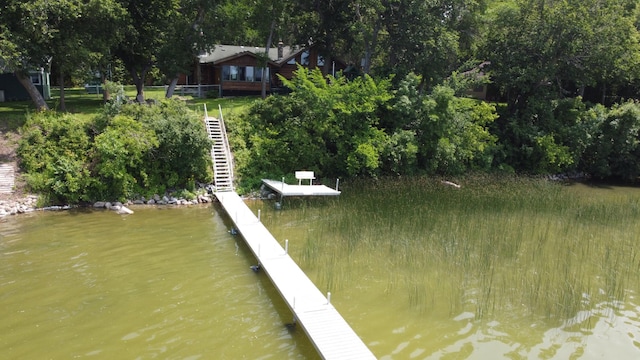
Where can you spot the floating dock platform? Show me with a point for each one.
(284, 189)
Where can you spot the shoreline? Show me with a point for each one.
(12, 204)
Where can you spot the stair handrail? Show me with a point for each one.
(226, 146)
(206, 117)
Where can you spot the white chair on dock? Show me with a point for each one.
(305, 175)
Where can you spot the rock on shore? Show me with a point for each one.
(28, 204)
(18, 206)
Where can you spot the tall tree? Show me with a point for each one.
(326, 25)
(64, 32)
(26, 36)
(144, 31)
(85, 31)
(194, 29)
(429, 38)
(561, 47)
(367, 25)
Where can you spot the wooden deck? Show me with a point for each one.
(325, 327)
(284, 189)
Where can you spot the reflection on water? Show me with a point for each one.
(173, 283)
(455, 276)
(156, 284)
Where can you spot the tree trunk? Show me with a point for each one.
(266, 52)
(35, 95)
(63, 106)
(370, 47)
(105, 93)
(138, 80)
(172, 87)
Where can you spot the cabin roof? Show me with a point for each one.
(223, 53)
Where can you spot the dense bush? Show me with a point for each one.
(451, 132)
(55, 153)
(362, 127)
(328, 125)
(337, 127)
(183, 154)
(124, 151)
(615, 151)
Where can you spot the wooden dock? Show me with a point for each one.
(284, 189)
(331, 335)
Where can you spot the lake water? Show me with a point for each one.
(173, 283)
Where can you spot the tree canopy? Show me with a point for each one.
(564, 76)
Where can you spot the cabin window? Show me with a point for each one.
(230, 72)
(320, 60)
(292, 61)
(242, 73)
(305, 58)
(233, 73)
(248, 73)
(259, 73)
(35, 79)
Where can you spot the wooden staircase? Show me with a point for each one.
(6, 179)
(220, 152)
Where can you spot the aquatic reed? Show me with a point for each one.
(494, 245)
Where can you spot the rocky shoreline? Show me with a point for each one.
(28, 203)
(22, 205)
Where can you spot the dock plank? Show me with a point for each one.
(331, 335)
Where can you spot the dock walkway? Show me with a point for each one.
(331, 335)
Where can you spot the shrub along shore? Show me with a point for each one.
(338, 128)
(125, 151)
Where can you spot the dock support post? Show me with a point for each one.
(328, 297)
(286, 246)
(337, 183)
(258, 215)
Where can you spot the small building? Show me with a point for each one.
(239, 70)
(12, 90)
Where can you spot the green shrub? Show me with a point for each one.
(54, 153)
(183, 152)
(326, 124)
(120, 153)
(124, 151)
(616, 147)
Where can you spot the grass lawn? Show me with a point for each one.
(77, 100)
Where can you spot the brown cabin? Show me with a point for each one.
(235, 70)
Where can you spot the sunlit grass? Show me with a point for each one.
(495, 245)
(80, 102)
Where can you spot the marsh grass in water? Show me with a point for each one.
(494, 245)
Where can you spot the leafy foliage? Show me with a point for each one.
(119, 157)
(183, 153)
(337, 127)
(451, 132)
(616, 149)
(55, 154)
(122, 152)
(327, 125)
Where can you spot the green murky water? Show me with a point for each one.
(174, 284)
(166, 284)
